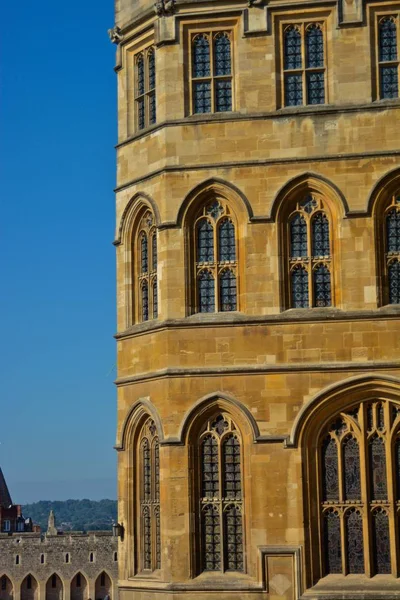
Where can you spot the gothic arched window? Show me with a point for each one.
(146, 268)
(359, 457)
(304, 64)
(211, 74)
(145, 88)
(388, 57)
(309, 254)
(220, 502)
(215, 259)
(149, 491)
(392, 251)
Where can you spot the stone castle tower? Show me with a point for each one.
(258, 265)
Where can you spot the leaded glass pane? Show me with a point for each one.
(205, 241)
(158, 536)
(201, 97)
(394, 282)
(228, 295)
(201, 56)
(144, 253)
(315, 88)
(140, 75)
(220, 425)
(393, 230)
(309, 204)
(377, 457)
(156, 470)
(397, 467)
(299, 278)
(231, 467)
(152, 69)
(292, 44)
(206, 289)
(354, 541)
(233, 539)
(140, 113)
(210, 469)
(146, 464)
(298, 237)
(381, 416)
(389, 82)
(223, 95)
(152, 108)
(222, 54)
(370, 417)
(145, 301)
(381, 542)
(330, 479)
(293, 90)
(314, 47)
(322, 286)
(351, 468)
(226, 241)
(146, 537)
(155, 300)
(387, 40)
(211, 538)
(332, 545)
(154, 252)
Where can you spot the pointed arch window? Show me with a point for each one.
(310, 254)
(359, 490)
(391, 251)
(304, 64)
(145, 88)
(211, 72)
(216, 266)
(146, 268)
(149, 491)
(388, 56)
(220, 502)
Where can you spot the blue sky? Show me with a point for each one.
(57, 161)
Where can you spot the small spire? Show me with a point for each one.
(5, 498)
(51, 524)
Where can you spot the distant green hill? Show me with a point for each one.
(73, 514)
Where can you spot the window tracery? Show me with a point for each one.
(304, 78)
(146, 268)
(221, 496)
(211, 73)
(145, 88)
(149, 486)
(359, 489)
(215, 259)
(392, 250)
(388, 58)
(309, 254)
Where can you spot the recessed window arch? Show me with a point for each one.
(149, 521)
(215, 258)
(391, 251)
(309, 253)
(219, 496)
(357, 491)
(144, 250)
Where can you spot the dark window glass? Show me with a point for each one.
(354, 541)
(201, 56)
(223, 95)
(155, 300)
(54, 581)
(144, 253)
(152, 69)
(315, 88)
(226, 238)
(140, 75)
(210, 468)
(292, 49)
(393, 230)
(389, 82)
(146, 463)
(202, 96)
(377, 457)
(233, 538)
(211, 538)
(330, 470)
(387, 40)
(293, 89)
(42, 559)
(145, 301)
(152, 109)
(154, 251)
(158, 537)
(205, 241)
(228, 297)
(298, 237)
(314, 47)
(78, 580)
(381, 542)
(332, 539)
(397, 467)
(146, 537)
(351, 459)
(394, 282)
(231, 467)
(222, 53)
(29, 582)
(299, 278)
(322, 286)
(206, 292)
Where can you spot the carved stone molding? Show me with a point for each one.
(164, 8)
(115, 35)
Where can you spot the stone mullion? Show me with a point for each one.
(339, 505)
(221, 505)
(391, 486)
(309, 263)
(364, 494)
